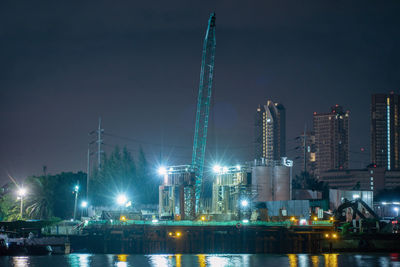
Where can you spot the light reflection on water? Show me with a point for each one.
(21, 261)
(204, 260)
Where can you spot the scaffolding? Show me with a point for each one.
(231, 186)
(177, 193)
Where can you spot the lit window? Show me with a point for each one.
(372, 188)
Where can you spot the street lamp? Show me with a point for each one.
(76, 191)
(21, 194)
(396, 209)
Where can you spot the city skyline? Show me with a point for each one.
(385, 130)
(139, 72)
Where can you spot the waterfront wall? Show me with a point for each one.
(199, 239)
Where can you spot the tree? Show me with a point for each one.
(39, 204)
(117, 175)
(52, 195)
(308, 181)
(120, 175)
(146, 181)
(9, 205)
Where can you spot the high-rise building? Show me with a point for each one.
(270, 131)
(307, 152)
(331, 132)
(385, 130)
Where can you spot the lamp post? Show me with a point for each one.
(84, 205)
(76, 191)
(21, 194)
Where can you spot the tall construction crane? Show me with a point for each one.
(203, 105)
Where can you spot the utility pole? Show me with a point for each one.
(99, 142)
(305, 149)
(88, 173)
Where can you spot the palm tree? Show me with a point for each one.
(39, 204)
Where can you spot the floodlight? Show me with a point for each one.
(225, 169)
(244, 203)
(162, 170)
(121, 199)
(84, 204)
(217, 168)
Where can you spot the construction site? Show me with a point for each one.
(250, 207)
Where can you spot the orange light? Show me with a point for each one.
(123, 218)
(203, 218)
(178, 234)
(170, 233)
(315, 218)
(334, 235)
(327, 235)
(292, 218)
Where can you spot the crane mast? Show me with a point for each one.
(203, 105)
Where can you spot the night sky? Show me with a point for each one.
(137, 64)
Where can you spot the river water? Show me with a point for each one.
(202, 260)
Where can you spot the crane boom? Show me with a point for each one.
(203, 104)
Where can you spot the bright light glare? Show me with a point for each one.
(245, 221)
(84, 204)
(244, 203)
(22, 192)
(76, 188)
(217, 168)
(225, 169)
(121, 199)
(396, 209)
(355, 196)
(162, 170)
(154, 221)
(238, 167)
(303, 222)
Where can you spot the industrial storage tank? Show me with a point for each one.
(272, 180)
(282, 183)
(262, 181)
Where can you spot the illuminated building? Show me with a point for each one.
(270, 132)
(385, 130)
(331, 132)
